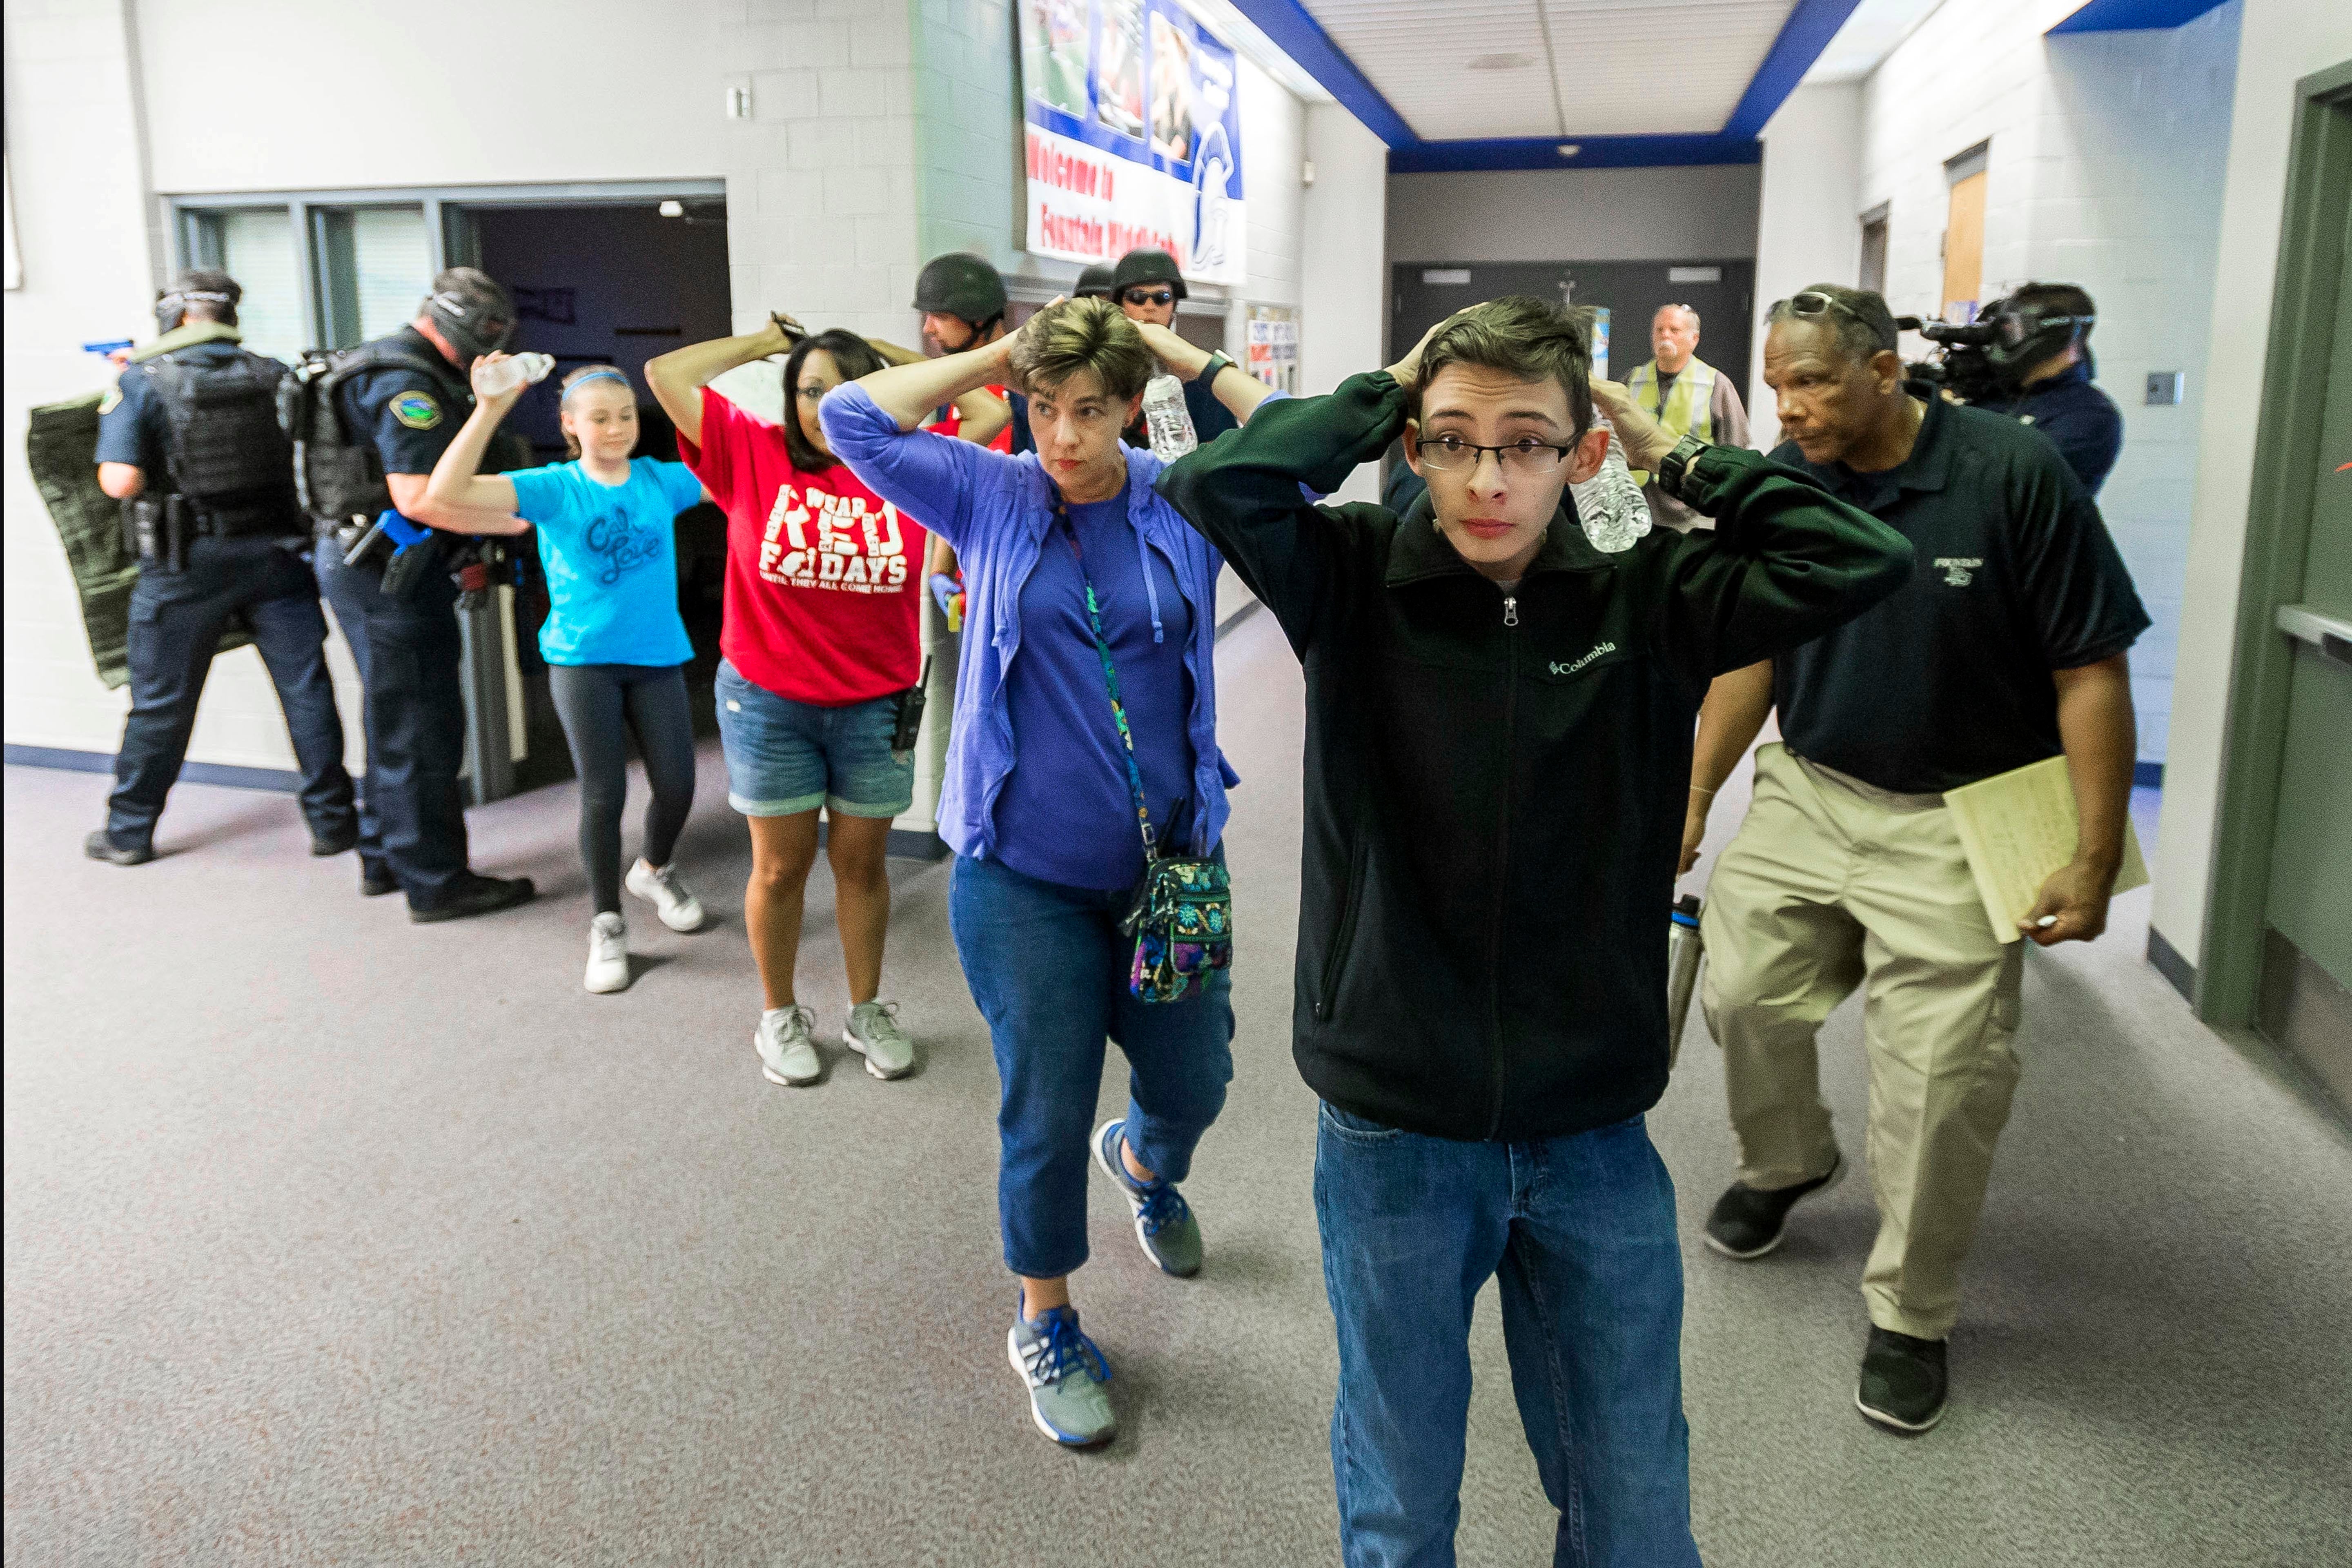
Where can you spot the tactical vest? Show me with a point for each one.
(338, 473)
(225, 453)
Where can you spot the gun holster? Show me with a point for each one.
(908, 716)
(155, 531)
(410, 566)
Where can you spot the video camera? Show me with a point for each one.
(1986, 359)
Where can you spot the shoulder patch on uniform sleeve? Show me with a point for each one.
(112, 401)
(417, 410)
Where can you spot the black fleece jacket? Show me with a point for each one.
(1495, 784)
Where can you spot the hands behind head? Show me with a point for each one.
(1002, 347)
(787, 329)
(1184, 359)
(1407, 371)
(1646, 441)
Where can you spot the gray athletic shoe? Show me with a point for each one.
(1069, 1398)
(1164, 1224)
(873, 1032)
(787, 1051)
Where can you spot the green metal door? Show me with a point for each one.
(2310, 901)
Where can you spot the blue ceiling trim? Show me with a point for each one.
(1591, 153)
(1302, 38)
(2132, 16)
(1807, 32)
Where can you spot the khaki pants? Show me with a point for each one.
(1824, 889)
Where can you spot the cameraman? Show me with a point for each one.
(2006, 646)
(2051, 324)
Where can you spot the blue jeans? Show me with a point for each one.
(1581, 1232)
(1048, 965)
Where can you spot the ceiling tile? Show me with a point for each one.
(1609, 67)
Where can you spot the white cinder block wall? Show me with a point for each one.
(1806, 230)
(2103, 169)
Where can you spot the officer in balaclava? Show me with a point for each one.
(1147, 283)
(189, 442)
(400, 400)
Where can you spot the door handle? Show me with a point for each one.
(2330, 634)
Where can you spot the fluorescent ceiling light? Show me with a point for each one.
(1874, 32)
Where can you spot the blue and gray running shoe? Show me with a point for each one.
(1069, 1397)
(1164, 1224)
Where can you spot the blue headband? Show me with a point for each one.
(595, 375)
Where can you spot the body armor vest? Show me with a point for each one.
(338, 473)
(225, 455)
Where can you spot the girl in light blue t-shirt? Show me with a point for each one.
(615, 645)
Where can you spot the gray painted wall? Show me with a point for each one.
(1575, 214)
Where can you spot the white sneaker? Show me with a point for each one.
(671, 897)
(608, 953)
(873, 1032)
(787, 1051)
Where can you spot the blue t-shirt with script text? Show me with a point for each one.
(611, 554)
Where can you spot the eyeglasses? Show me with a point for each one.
(1148, 296)
(1525, 456)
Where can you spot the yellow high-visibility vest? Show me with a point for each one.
(1689, 406)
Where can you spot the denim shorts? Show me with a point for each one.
(785, 757)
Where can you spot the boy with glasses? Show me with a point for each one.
(1497, 716)
(1147, 284)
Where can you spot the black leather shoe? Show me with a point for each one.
(1747, 1223)
(100, 847)
(375, 881)
(1903, 1382)
(323, 844)
(476, 896)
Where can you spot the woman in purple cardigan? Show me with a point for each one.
(1038, 804)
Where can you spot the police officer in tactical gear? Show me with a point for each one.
(1147, 284)
(396, 404)
(189, 442)
(963, 303)
(2042, 345)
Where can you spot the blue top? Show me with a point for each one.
(1067, 814)
(996, 511)
(610, 553)
(2080, 421)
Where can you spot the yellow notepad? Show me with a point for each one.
(2019, 827)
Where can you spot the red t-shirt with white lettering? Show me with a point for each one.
(823, 577)
(949, 421)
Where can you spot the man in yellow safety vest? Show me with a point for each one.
(1688, 396)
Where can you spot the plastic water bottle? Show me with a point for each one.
(1610, 504)
(1166, 420)
(522, 370)
(1683, 950)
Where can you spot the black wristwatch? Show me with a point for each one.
(1215, 367)
(1676, 463)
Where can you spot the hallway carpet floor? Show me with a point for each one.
(335, 1240)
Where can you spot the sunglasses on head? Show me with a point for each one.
(1812, 304)
(1148, 296)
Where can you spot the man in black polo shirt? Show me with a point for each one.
(2006, 646)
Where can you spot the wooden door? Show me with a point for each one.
(1964, 249)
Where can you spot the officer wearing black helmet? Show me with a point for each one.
(1146, 285)
(2042, 343)
(398, 403)
(963, 303)
(189, 442)
(1097, 281)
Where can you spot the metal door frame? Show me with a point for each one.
(2287, 446)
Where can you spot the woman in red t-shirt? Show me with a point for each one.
(821, 642)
